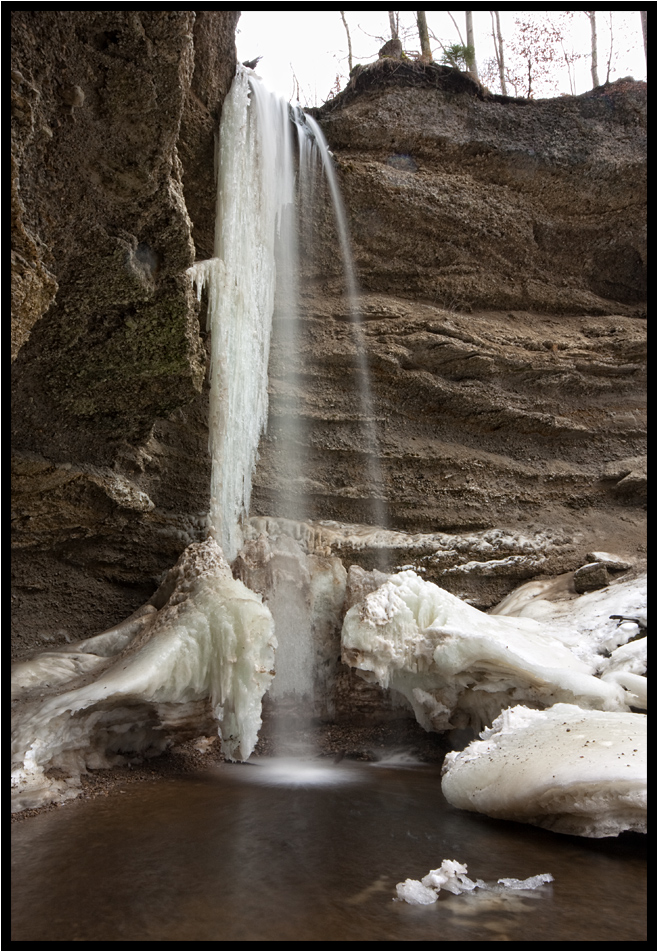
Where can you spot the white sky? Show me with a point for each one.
(314, 45)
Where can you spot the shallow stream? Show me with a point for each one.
(277, 850)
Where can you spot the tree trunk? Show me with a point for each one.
(470, 41)
(349, 41)
(643, 15)
(609, 69)
(595, 53)
(394, 26)
(425, 51)
(498, 47)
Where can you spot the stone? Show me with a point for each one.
(613, 563)
(590, 577)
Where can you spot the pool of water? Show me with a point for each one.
(288, 851)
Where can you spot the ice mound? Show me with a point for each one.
(592, 624)
(460, 667)
(199, 659)
(565, 769)
(452, 876)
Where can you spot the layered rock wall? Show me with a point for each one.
(500, 248)
(114, 123)
(500, 251)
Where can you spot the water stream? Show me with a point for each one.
(244, 853)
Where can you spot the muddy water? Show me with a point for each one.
(249, 853)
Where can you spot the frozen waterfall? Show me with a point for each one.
(273, 165)
(270, 155)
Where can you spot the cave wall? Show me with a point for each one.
(500, 248)
(114, 122)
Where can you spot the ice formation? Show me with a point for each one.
(255, 183)
(566, 769)
(452, 877)
(199, 659)
(458, 666)
(305, 594)
(269, 157)
(588, 623)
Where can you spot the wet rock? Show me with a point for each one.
(590, 577)
(109, 362)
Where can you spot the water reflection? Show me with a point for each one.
(221, 857)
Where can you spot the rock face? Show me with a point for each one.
(479, 202)
(114, 117)
(500, 250)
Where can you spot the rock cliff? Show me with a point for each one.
(500, 247)
(500, 250)
(114, 119)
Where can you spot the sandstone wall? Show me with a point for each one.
(500, 249)
(114, 119)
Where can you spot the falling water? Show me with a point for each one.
(374, 471)
(270, 158)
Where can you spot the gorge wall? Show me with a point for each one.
(500, 247)
(114, 120)
(501, 250)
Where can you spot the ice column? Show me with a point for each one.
(260, 174)
(255, 184)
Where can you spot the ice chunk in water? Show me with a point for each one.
(533, 882)
(565, 769)
(413, 891)
(452, 877)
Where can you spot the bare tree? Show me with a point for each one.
(591, 14)
(643, 17)
(349, 41)
(563, 26)
(425, 51)
(470, 42)
(498, 47)
(461, 38)
(533, 46)
(393, 19)
(609, 66)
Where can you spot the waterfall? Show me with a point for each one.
(271, 158)
(378, 506)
